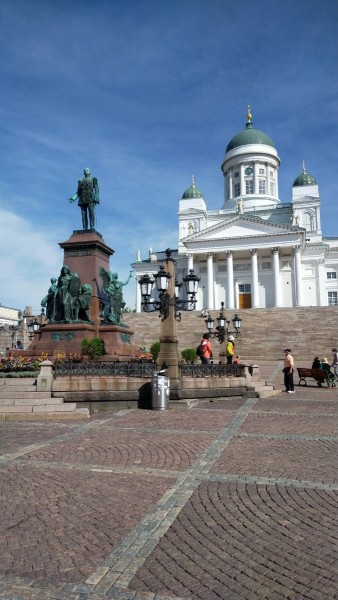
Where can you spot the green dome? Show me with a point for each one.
(249, 135)
(304, 179)
(192, 192)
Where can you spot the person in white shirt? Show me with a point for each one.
(288, 371)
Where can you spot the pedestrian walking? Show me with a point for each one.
(230, 349)
(205, 349)
(288, 371)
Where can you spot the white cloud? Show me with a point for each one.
(28, 258)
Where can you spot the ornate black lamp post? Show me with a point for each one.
(169, 306)
(32, 327)
(222, 329)
(162, 279)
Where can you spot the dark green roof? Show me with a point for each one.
(192, 192)
(249, 135)
(304, 179)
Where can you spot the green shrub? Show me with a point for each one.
(155, 350)
(189, 355)
(92, 348)
(18, 374)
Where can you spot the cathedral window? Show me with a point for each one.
(237, 189)
(236, 174)
(262, 186)
(333, 298)
(249, 186)
(244, 288)
(331, 275)
(261, 171)
(272, 188)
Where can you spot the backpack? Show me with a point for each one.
(199, 350)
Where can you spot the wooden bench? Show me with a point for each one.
(320, 375)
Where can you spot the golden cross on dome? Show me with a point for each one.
(249, 115)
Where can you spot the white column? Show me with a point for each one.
(276, 277)
(254, 274)
(210, 269)
(190, 258)
(256, 186)
(298, 275)
(321, 291)
(229, 194)
(138, 296)
(242, 180)
(230, 269)
(267, 167)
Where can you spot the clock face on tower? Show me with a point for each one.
(248, 171)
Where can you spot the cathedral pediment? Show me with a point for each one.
(191, 211)
(243, 231)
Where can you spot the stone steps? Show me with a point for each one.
(308, 331)
(19, 399)
(27, 397)
(264, 390)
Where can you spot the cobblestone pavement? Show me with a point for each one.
(234, 500)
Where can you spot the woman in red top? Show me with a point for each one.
(206, 349)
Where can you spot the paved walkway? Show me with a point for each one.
(234, 500)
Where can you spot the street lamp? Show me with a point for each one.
(169, 304)
(162, 283)
(161, 279)
(32, 327)
(222, 329)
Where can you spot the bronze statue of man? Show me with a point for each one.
(88, 196)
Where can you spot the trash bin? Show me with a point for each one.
(160, 390)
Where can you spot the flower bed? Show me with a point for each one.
(20, 366)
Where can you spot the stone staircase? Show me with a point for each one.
(308, 331)
(20, 399)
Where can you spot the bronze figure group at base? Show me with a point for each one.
(112, 302)
(67, 299)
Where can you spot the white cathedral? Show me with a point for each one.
(256, 251)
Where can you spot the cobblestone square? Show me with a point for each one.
(229, 500)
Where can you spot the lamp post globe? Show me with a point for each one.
(162, 279)
(191, 282)
(146, 284)
(237, 323)
(209, 323)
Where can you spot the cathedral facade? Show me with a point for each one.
(255, 251)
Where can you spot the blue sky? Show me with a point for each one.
(147, 93)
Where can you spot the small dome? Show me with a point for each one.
(304, 179)
(249, 135)
(192, 192)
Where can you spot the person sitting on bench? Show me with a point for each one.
(316, 363)
(326, 367)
